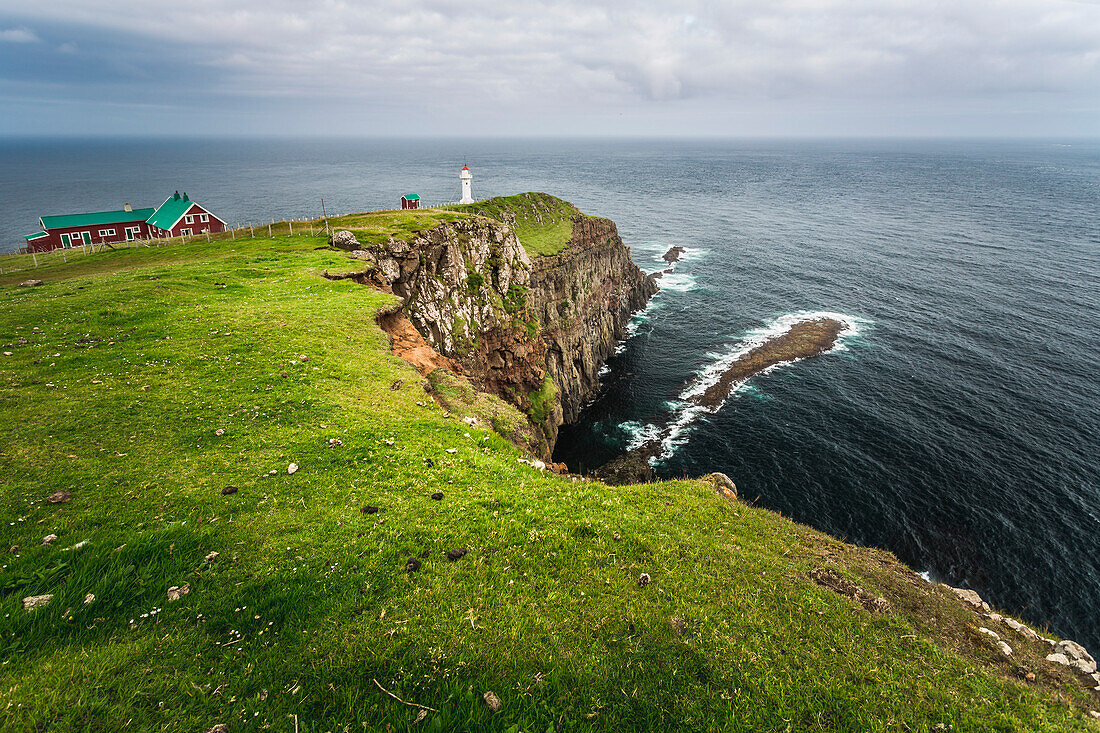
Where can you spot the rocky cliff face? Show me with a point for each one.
(533, 332)
(584, 297)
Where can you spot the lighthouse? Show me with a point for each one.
(466, 177)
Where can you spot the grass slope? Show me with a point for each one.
(543, 223)
(150, 379)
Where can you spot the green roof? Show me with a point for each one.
(91, 220)
(168, 213)
(36, 235)
(411, 197)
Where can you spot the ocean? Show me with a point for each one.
(957, 423)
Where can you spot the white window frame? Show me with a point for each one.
(190, 218)
(106, 233)
(203, 218)
(132, 233)
(185, 232)
(66, 240)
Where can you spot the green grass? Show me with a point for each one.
(124, 367)
(543, 223)
(377, 227)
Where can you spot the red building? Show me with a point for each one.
(177, 216)
(410, 201)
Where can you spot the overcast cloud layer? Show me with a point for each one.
(750, 67)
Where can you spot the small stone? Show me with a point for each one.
(178, 591)
(89, 598)
(292, 468)
(1005, 648)
(59, 497)
(1030, 676)
(456, 554)
(1058, 659)
(272, 473)
(987, 632)
(1094, 714)
(219, 728)
(972, 598)
(438, 496)
(412, 565)
(492, 701)
(33, 603)
(396, 385)
(219, 431)
(369, 509)
(452, 450)
(470, 420)
(283, 375)
(211, 556)
(30, 283)
(229, 490)
(49, 539)
(14, 549)
(335, 442)
(388, 442)
(643, 579)
(303, 357)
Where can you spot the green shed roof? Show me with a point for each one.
(36, 235)
(168, 213)
(411, 197)
(91, 220)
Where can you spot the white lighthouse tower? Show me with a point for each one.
(466, 177)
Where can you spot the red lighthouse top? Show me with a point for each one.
(465, 168)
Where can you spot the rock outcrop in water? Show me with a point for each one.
(804, 339)
(536, 332)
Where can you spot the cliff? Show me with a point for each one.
(584, 297)
(533, 330)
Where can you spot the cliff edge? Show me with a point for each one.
(531, 323)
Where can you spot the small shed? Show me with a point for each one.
(410, 201)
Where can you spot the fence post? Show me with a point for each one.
(232, 235)
(290, 224)
(269, 227)
(35, 257)
(250, 229)
(207, 235)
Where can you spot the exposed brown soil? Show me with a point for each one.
(406, 342)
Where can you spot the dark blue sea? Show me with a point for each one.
(958, 422)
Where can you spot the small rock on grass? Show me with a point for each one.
(219, 431)
(396, 385)
(33, 603)
(49, 539)
(59, 497)
(412, 565)
(335, 442)
(492, 701)
(30, 283)
(212, 556)
(452, 451)
(292, 468)
(178, 591)
(644, 579)
(438, 496)
(456, 554)
(229, 490)
(219, 728)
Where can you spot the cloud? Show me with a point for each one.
(584, 57)
(18, 35)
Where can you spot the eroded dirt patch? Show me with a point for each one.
(829, 578)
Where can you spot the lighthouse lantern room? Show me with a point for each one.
(466, 177)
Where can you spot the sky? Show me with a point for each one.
(830, 68)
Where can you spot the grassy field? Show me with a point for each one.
(147, 381)
(543, 223)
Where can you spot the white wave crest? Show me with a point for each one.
(686, 412)
(678, 282)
